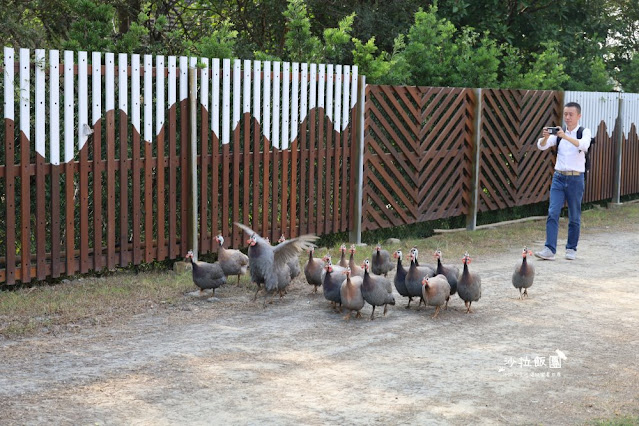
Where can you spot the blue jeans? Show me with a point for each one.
(569, 189)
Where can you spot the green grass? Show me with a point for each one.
(618, 421)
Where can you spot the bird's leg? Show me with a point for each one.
(466, 304)
(520, 295)
(525, 292)
(348, 315)
(201, 292)
(469, 311)
(238, 279)
(410, 299)
(421, 299)
(359, 314)
(213, 293)
(385, 309)
(447, 299)
(340, 307)
(265, 296)
(315, 291)
(256, 291)
(436, 311)
(373, 313)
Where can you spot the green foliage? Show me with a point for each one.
(629, 76)
(430, 49)
(337, 39)
(477, 61)
(547, 70)
(92, 27)
(301, 45)
(219, 44)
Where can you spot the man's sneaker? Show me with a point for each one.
(571, 254)
(545, 254)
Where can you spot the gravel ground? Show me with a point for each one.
(568, 354)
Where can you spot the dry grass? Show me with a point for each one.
(93, 300)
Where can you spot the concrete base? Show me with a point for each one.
(614, 205)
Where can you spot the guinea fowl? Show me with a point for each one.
(400, 278)
(468, 285)
(293, 264)
(414, 279)
(233, 262)
(436, 292)
(269, 263)
(524, 274)
(351, 294)
(381, 261)
(206, 275)
(314, 270)
(356, 270)
(376, 289)
(415, 251)
(333, 279)
(342, 259)
(451, 273)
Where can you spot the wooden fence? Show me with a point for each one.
(273, 151)
(284, 148)
(421, 143)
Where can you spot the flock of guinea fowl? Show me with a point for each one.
(345, 284)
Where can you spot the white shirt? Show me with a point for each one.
(569, 157)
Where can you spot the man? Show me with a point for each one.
(567, 181)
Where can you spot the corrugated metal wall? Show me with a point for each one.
(601, 106)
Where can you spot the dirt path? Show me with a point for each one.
(297, 362)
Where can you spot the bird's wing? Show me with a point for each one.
(289, 249)
(250, 232)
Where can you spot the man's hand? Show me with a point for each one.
(560, 133)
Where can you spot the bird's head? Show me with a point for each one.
(412, 256)
(342, 248)
(425, 282)
(347, 272)
(327, 257)
(415, 252)
(466, 259)
(526, 252)
(281, 239)
(352, 249)
(366, 265)
(220, 239)
(437, 254)
(189, 255)
(252, 240)
(328, 265)
(397, 254)
(378, 247)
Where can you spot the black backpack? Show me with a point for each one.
(580, 131)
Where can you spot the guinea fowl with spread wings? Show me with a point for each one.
(293, 264)
(206, 275)
(269, 263)
(524, 274)
(233, 262)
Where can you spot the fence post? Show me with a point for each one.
(616, 188)
(191, 216)
(471, 218)
(355, 233)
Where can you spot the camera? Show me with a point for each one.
(553, 130)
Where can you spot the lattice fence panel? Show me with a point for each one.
(392, 123)
(445, 154)
(501, 111)
(534, 167)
